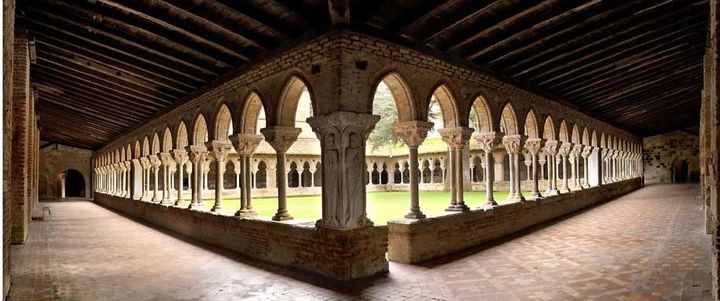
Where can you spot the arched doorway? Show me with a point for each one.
(680, 171)
(74, 184)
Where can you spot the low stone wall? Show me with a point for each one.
(334, 254)
(413, 241)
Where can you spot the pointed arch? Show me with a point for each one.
(146, 147)
(509, 120)
(181, 136)
(563, 135)
(603, 141)
(401, 93)
(200, 133)
(585, 136)
(549, 129)
(575, 134)
(289, 99)
(250, 114)
(448, 105)
(138, 150)
(483, 116)
(531, 125)
(128, 152)
(223, 123)
(593, 139)
(117, 156)
(167, 144)
(155, 146)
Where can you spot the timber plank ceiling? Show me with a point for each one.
(106, 66)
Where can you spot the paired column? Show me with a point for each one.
(281, 138)
(220, 151)
(197, 155)
(534, 145)
(587, 150)
(487, 142)
(342, 138)
(456, 138)
(413, 133)
(514, 145)
(181, 158)
(565, 149)
(577, 157)
(551, 150)
(245, 145)
(155, 163)
(166, 160)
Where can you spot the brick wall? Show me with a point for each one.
(56, 159)
(334, 254)
(8, 46)
(413, 241)
(662, 152)
(21, 139)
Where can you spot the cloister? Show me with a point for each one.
(555, 132)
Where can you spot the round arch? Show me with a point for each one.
(509, 120)
(401, 93)
(290, 98)
(448, 105)
(483, 116)
(251, 114)
(74, 183)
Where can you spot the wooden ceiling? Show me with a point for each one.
(105, 66)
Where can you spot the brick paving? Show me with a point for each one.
(648, 245)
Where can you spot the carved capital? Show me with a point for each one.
(413, 133)
(196, 153)
(166, 159)
(565, 148)
(155, 161)
(534, 145)
(180, 156)
(281, 137)
(246, 144)
(127, 163)
(551, 147)
(144, 162)
(513, 143)
(219, 149)
(488, 140)
(456, 137)
(341, 121)
(587, 150)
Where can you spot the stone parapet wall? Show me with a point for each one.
(413, 241)
(334, 254)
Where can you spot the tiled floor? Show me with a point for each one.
(648, 245)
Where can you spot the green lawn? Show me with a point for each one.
(381, 206)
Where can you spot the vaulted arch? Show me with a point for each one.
(401, 93)
(549, 129)
(483, 116)
(223, 124)
(294, 88)
(531, 126)
(252, 108)
(563, 135)
(509, 120)
(167, 144)
(448, 105)
(200, 133)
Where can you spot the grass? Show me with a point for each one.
(381, 206)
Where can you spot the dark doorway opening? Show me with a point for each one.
(680, 171)
(74, 184)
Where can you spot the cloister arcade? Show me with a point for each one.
(235, 148)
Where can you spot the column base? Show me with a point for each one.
(168, 202)
(458, 208)
(282, 215)
(535, 195)
(550, 192)
(564, 190)
(490, 202)
(216, 208)
(415, 215)
(245, 213)
(515, 198)
(196, 206)
(179, 202)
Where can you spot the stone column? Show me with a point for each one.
(534, 145)
(587, 150)
(413, 133)
(197, 154)
(528, 165)
(342, 138)
(456, 138)
(487, 142)
(189, 171)
(513, 145)
(145, 165)
(166, 160)
(62, 185)
(577, 154)
(551, 149)
(155, 162)
(181, 158)
(206, 171)
(128, 179)
(281, 138)
(220, 151)
(564, 151)
(245, 145)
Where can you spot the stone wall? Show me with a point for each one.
(8, 50)
(334, 254)
(56, 159)
(21, 139)
(413, 241)
(663, 156)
